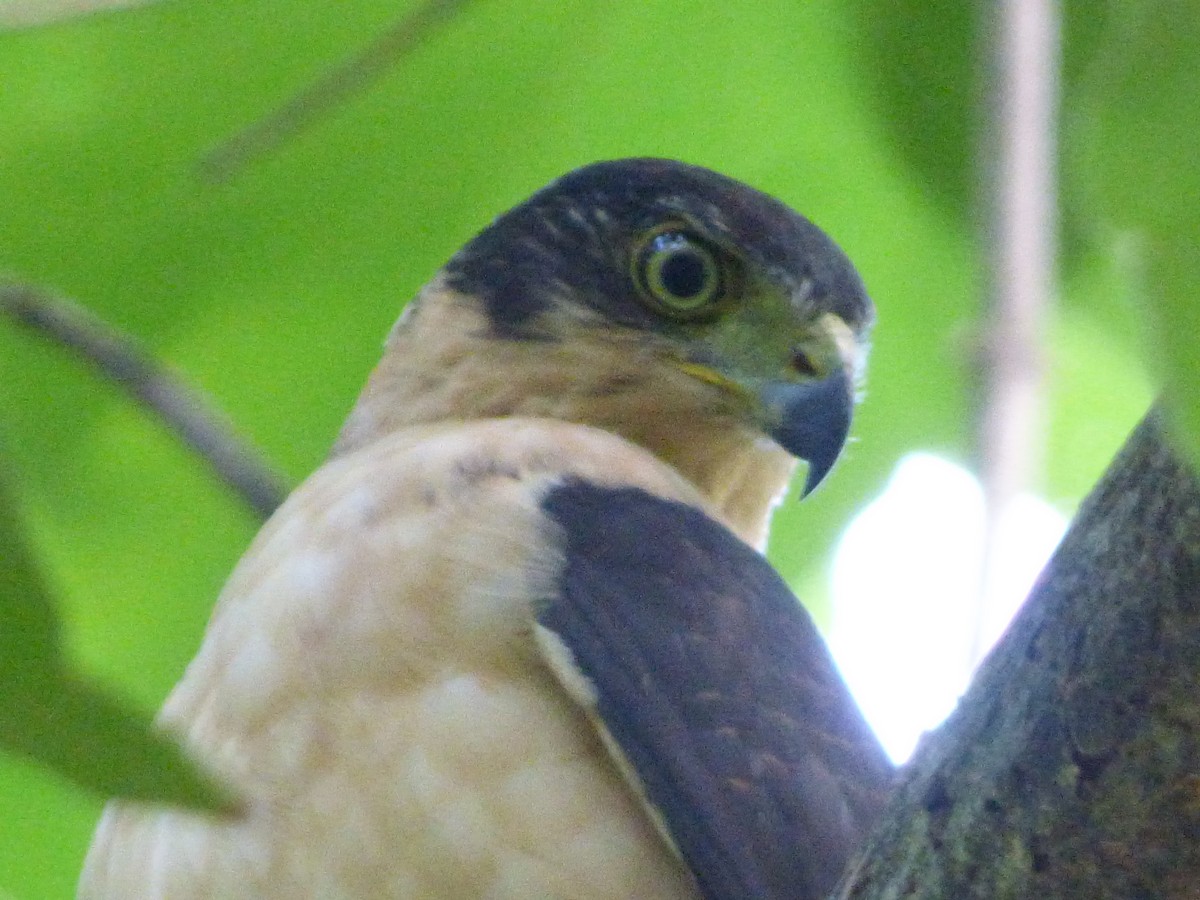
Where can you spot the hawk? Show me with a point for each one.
(516, 637)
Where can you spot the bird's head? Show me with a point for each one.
(659, 300)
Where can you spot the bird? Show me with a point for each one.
(517, 637)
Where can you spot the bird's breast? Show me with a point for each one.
(371, 685)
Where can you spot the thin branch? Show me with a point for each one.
(328, 92)
(1023, 87)
(29, 13)
(184, 409)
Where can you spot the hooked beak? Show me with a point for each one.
(811, 420)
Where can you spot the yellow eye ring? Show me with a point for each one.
(679, 272)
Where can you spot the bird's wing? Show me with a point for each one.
(712, 688)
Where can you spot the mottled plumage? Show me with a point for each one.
(515, 638)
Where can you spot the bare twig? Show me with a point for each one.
(1023, 84)
(184, 409)
(28, 13)
(329, 91)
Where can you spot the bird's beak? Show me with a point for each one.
(810, 420)
(806, 409)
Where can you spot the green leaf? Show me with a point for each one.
(29, 636)
(51, 716)
(101, 744)
(1136, 134)
(1171, 282)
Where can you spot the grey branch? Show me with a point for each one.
(327, 93)
(1020, 190)
(128, 365)
(1072, 766)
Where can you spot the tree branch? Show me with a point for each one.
(1072, 766)
(183, 409)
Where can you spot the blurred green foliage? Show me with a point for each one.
(1136, 128)
(274, 289)
(48, 714)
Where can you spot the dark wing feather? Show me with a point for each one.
(715, 684)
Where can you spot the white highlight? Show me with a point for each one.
(912, 611)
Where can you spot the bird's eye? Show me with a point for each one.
(678, 272)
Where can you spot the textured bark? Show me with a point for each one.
(1072, 766)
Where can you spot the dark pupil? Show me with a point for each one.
(683, 273)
